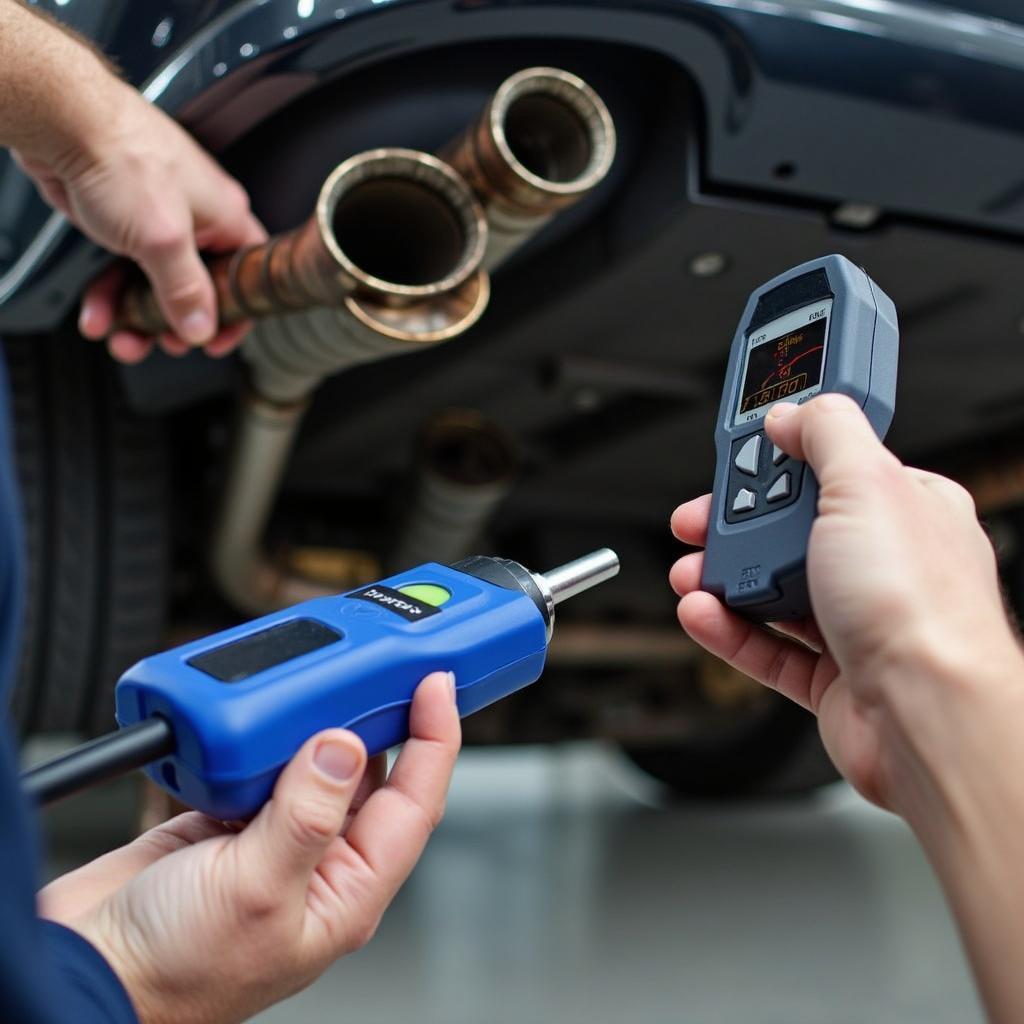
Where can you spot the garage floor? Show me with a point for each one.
(558, 890)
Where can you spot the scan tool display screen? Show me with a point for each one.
(784, 361)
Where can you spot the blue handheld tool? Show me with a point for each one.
(822, 326)
(216, 720)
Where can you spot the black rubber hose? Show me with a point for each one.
(98, 760)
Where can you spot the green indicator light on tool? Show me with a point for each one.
(428, 593)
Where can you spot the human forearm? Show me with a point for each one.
(950, 718)
(126, 175)
(967, 811)
(56, 91)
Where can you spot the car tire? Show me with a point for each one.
(776, 753)
(94, 483)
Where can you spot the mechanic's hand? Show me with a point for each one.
(909, 623)
(207, 923)
(137, 184)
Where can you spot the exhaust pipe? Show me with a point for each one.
(248, 577)
(395, 258)
(407, 238)
(395, 246)
(543, 142)
(465, 467)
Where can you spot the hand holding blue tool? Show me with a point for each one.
(214, 721)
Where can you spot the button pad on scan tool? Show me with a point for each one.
(762, 478)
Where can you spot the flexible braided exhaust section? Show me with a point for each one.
(288, 356)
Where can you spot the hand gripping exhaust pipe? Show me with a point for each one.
(395, 246)
(543, 142)
(396, 241)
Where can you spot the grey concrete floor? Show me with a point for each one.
(562, 888)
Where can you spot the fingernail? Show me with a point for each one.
(336, 760)
(197, 327)
(778, 412)
(451, 684)
(84, 316)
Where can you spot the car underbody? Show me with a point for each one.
(579, 409)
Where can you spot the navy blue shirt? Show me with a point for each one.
(48, 973)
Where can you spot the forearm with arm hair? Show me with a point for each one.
(54, 89)
(126, 175)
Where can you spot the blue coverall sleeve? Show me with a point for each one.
(48, 974)
(90, 990)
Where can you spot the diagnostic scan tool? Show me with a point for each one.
(822, 326)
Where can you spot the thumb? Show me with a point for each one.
(184, 290)
(289, 837)
(831, 434)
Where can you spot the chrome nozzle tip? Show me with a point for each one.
(581, 574)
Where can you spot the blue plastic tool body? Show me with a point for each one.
(235, 735)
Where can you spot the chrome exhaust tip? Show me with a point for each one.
(545, 140)
(397, 226)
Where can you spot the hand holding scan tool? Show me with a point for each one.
(822, 326)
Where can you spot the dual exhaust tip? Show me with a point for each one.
(404, 240)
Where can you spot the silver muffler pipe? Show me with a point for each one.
(399, 238)
(465, 466)
(542, 143)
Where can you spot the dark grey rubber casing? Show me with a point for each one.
(758, 567)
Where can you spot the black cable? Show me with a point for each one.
(98, 760)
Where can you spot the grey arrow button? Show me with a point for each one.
(744, 501)
(778, 455)
(747, 456)
(779, 489)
